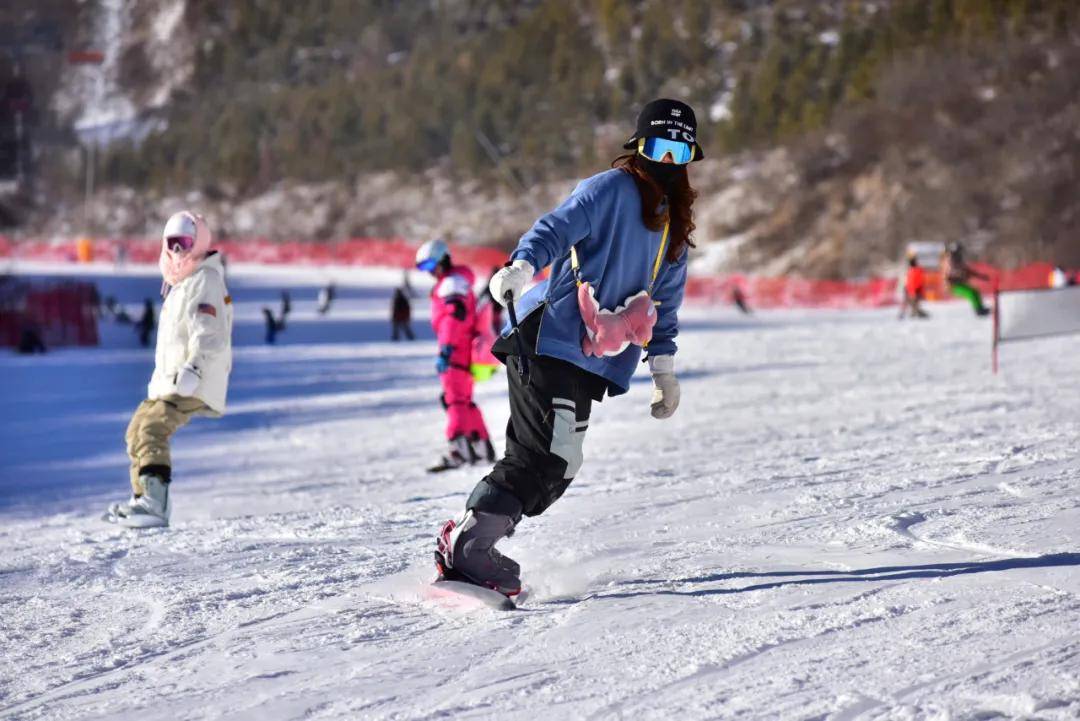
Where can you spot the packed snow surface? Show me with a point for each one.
(848, 518)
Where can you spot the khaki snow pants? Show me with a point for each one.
(151, 428)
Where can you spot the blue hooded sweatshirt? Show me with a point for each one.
(602, 219)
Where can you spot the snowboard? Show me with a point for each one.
(453, 586)
(112, 515)
(443, 466)
(469, 595)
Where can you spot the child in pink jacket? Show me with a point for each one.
(453, 316)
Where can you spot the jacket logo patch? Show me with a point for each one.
(208, 309)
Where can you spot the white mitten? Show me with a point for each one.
(665, 396)
(187, 380)
(511, 279)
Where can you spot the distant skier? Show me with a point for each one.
(116, 310)
(959, 274)
(191, 371)
(145, 326)
(914, 290)
(30, 340)
(273, 325)
(401, 316)
(270, 325)
(620, 241)
(95, 301)
(1059, 278)
(286, 308)
(453, 316)
(326, 298)
(739, 299)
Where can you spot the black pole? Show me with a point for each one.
(523, 364)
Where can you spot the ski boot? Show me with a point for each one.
(150, 509)
(466, 552)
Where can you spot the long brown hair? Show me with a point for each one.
(655, 213)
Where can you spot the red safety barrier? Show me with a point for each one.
(59, 314)
(1030, 277)
(390, 253)
(793, 292)
(783, 292)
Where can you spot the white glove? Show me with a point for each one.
(187, 380)
(665, 395)
(511, 279)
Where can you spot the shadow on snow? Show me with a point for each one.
(807, 578)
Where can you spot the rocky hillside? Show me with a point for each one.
(837, 131)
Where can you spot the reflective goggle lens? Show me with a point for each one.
(427, 265)
(657, 148)
(180, 243)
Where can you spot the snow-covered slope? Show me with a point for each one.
(848, 518)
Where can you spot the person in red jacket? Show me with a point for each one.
(453, 316)
(914, 290)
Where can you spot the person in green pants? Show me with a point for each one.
(959, 274)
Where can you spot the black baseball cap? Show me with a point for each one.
(665, 118)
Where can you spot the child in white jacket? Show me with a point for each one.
(191, 370)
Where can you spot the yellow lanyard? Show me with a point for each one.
(576, 266)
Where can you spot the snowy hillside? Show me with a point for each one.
(848, 518)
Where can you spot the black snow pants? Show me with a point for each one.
(549, 414)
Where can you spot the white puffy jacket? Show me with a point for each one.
(195, 328)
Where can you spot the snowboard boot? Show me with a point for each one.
(459, 453)
(150, 509)
(466, 552)
(483, 450)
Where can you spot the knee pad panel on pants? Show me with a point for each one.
(568, 435)
(490, 498)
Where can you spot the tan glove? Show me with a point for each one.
(665, 397)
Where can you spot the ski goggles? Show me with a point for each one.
(180, 243)
(427, 265)
(657, 148)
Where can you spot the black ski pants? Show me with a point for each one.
(401, 327)
(549, 414)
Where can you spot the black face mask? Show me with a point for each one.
(665, 174)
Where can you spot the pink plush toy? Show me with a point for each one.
(610, 332)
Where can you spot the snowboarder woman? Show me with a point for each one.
(191, 371)
(453, 316)
(617, 249)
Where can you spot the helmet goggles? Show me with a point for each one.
(180, 243)
(657, 149)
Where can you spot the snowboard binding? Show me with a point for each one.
(444, 560)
